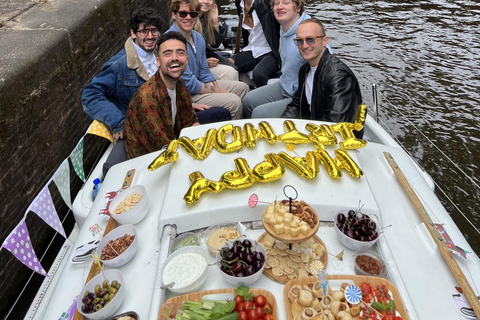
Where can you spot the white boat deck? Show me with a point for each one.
(414, 263)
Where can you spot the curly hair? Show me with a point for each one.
(145, 15)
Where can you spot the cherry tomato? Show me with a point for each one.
(253, 315)
(238, 303)
(242, 315)
(246, 306)
(260, 300)
(268, 316)
(268, 308)
(260, 311)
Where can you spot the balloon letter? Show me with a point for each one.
(349, 140)
(170, 155)
(222, 145)
(348, 164)
(292, 135)
(321, 134)
(269, 170)
(267, 132)
(240, 178)
(249, 135)
(200, 185)
(199, 148)
(306, 167)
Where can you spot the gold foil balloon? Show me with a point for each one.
(170, 155)
(321, 134)
(269, 170)
(267, 132)
(201, 147)
(346, 131)
(249, 135)
(328, 163)
(360, 117)
(200, 185)
(237, 139)
(306, 167)
(348, 164)
(240, 178)
(292, 134)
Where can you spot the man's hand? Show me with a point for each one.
(211, 87)
(200, 107)
(212, 62)
(118, 135)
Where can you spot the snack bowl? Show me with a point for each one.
(351, 243)
(127, 254)
(227, 265)
(112, 306)
(136, 213)
(187, 268)
(184, 240)
(368, 263)
(218, 234)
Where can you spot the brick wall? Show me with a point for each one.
(41, 121)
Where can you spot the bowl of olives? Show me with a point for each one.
(102, 296)
(356, 230)
(241, 261)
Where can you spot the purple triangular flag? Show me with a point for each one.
(44, 208)
(19, 244)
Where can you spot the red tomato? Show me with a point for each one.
(260, 300)
(246, 306)
(268, 308)
(242, 315)
(268, 316)
(260, 311)
(238, 303)
(253, 315)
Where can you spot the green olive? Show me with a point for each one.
(98, 307)
(106, 297)
(112, 296)
(86, 293)
(96, 300)
(112, 290)
(97, 289)
(105, 284)
(114, 283)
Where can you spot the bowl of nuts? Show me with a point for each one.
(118, 246)
(130, 206)
(102, 296)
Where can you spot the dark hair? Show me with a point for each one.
(145, 15)
(314, 20)
(169, 36)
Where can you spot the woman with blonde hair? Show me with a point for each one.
(208, 26)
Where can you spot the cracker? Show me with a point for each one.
(277, 271)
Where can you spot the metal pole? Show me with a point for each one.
(375, 102)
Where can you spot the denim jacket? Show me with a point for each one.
(107, 96)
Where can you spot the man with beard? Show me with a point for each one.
(162, 106)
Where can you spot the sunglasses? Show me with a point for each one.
(310, 40)
(183, 14)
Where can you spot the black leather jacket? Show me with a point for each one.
(270, 25)
(336, 93)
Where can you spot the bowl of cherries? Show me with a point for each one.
(356, 230)
(241, 262)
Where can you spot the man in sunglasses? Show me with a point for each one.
(327, 89)
(201, 83)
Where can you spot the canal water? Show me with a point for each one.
(424, 58)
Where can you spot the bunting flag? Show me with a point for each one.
(99, 129)
(19, 244)
(44, 208)
(62, 181)
(77, 160)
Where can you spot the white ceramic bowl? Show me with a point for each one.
(115, 303)
(370, 256)
(351, 243)
(126, 255)
(185, 269)
(184, 240)
(229, 236)
(135, 214)
(242, 281)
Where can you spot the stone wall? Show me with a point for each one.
(47, 55)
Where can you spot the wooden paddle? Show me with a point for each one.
(447, 255)
(239, 33)
(94, 269)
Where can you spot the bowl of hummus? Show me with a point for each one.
(219, 234)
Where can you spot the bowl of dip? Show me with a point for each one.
(187, 268)
(184, 240)
(368, 264)
(219, 234)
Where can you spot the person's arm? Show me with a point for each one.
(343, 98)
(95, 102)
(292, 110)
(211, 87)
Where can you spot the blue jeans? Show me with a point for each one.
(264, 67)
(266, 102)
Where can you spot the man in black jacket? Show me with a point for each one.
(261, 52)
(327, 88)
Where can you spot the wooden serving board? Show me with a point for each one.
(197, 296)
(284, 278)
(357, 280)
(289, 238)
